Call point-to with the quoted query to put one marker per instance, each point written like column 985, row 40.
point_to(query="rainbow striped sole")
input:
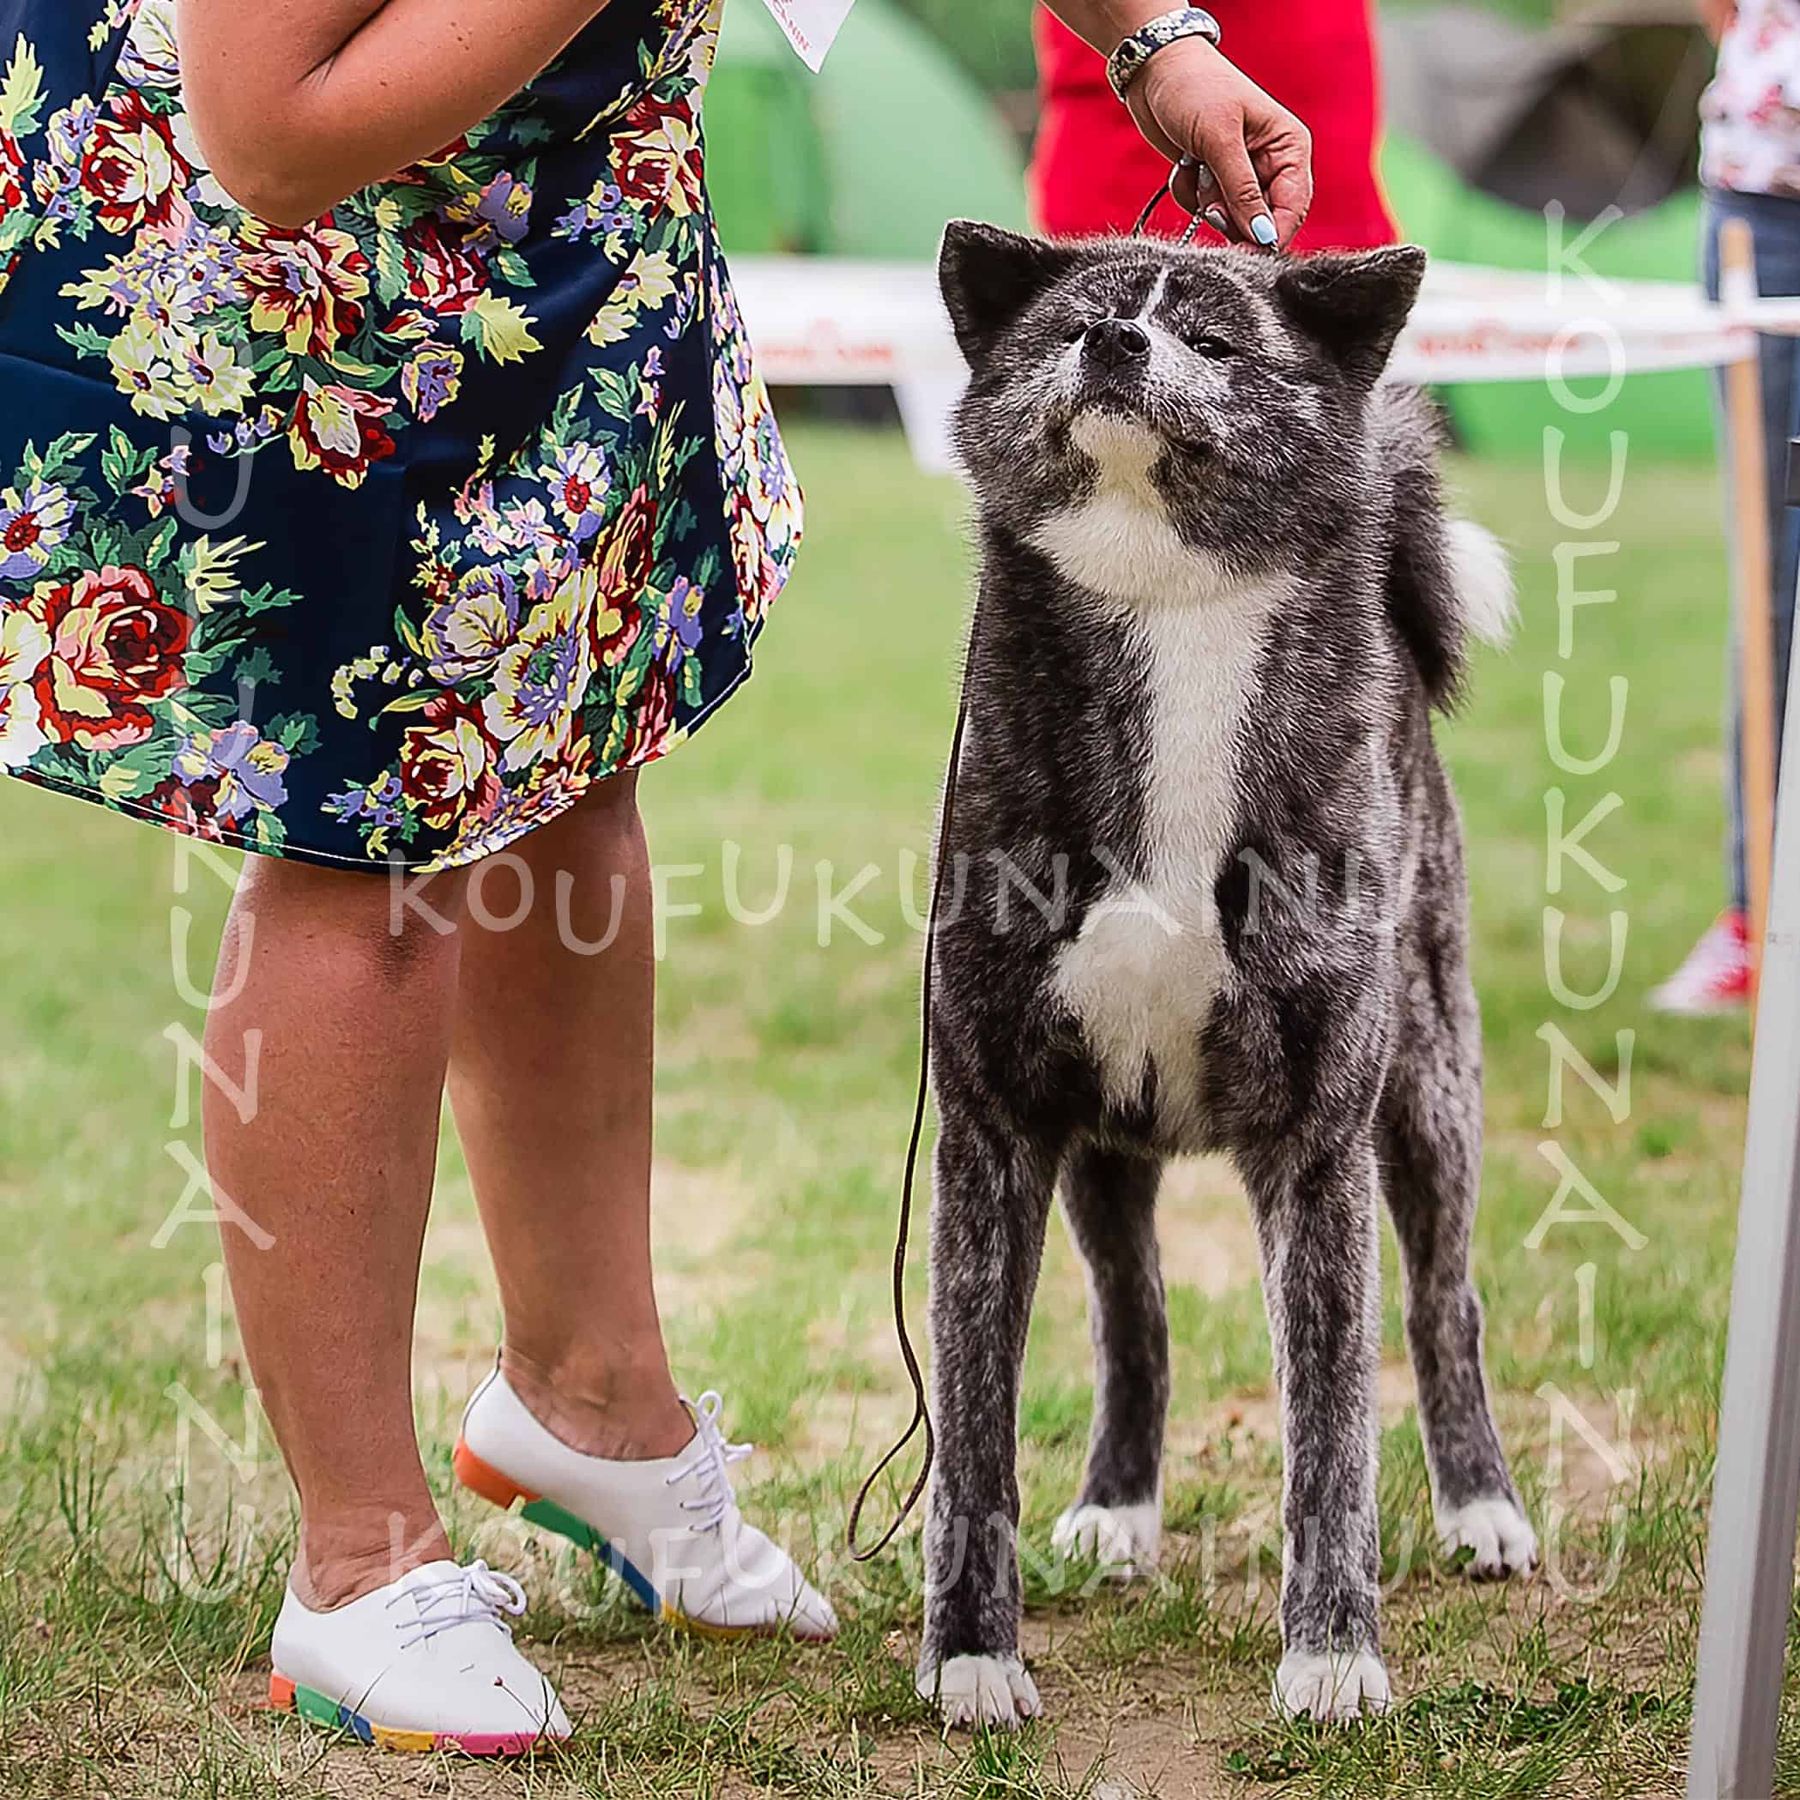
column 502, row 1491
column 316, row 1709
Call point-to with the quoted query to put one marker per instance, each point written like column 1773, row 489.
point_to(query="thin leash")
column 1167, row 192
column 921, row 1419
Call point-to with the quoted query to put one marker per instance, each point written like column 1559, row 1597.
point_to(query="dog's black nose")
column 1117, row 343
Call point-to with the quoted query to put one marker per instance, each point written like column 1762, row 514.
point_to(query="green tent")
column 1666, row 413
column 1490, row 120
column 867, row 159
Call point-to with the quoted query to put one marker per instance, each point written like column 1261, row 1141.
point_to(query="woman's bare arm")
column 1193, row 101
column 298, row 103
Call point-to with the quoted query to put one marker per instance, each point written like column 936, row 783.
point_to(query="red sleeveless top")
column 1093, row 172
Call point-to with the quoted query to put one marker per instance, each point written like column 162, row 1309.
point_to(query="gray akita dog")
column 1205, row 893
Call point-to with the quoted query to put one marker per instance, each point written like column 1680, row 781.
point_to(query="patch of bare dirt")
column 1203, row 1222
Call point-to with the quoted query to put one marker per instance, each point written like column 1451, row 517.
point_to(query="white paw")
column 981, row 1690
column 1496, row 1531
column 1330, row 1689
column 1123, row 1540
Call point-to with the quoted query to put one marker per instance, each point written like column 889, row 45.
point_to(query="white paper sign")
column 811, row 26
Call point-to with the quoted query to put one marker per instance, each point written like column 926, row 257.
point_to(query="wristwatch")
column 1127, row 62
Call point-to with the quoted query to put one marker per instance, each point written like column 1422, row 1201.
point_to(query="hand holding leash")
column 1232, row 142
column 1247, row 157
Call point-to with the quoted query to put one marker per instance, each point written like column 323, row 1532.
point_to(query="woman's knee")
column 390, row 927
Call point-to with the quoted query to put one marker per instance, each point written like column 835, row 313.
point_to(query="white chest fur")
column 1143, row 972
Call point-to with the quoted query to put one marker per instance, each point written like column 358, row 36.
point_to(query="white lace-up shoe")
column 670, row 1530
column 425, row 1663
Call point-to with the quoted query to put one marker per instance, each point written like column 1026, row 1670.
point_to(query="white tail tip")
column 1482, row 574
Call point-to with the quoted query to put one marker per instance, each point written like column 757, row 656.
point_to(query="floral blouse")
column 1750, row 115
column 379, row 541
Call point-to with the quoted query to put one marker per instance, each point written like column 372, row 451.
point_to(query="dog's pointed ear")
column 990, row 276
column 1354, row 305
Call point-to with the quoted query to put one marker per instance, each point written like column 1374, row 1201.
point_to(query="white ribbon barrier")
column 819, row 322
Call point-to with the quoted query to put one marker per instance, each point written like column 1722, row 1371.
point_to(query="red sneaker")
column 1716, row 976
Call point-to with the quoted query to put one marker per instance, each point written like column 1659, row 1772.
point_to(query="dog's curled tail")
column 1451, row 579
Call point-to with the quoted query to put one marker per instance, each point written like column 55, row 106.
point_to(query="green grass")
column 135, row 1600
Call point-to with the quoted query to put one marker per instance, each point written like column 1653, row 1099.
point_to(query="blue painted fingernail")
column 1262, row 228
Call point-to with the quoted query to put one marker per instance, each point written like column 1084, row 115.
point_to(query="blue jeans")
column 1775, row 225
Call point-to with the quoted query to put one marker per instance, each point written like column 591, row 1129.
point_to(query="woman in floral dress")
column 378, row 524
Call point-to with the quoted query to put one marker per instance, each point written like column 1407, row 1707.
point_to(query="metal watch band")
column 1127, row 62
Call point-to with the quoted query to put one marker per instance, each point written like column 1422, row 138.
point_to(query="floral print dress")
column 382, row 540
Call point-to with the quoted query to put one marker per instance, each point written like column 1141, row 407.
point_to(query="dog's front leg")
column 987, row 1238
column 1316, row 1210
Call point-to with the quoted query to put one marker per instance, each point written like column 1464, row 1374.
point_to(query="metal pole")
column 1756, row 1488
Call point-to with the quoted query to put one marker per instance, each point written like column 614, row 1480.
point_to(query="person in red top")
column 1093, row 171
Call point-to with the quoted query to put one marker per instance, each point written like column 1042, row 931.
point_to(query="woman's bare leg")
column 551, row 1076
column 336, row 1164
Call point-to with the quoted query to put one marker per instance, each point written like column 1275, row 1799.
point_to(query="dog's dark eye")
column 1203, row 343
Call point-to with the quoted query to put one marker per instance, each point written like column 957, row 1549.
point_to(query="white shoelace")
column 475, row 1595
column 709, row 1461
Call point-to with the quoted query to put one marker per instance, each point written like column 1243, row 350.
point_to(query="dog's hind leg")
column 1430, row 1141
column 1110, row 1200
column 988, row 1217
